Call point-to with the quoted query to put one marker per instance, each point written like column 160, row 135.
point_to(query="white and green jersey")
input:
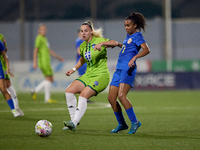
column 42, row 44
column 96, row 60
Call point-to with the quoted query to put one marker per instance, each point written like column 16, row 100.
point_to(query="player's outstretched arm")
column 144, row 52
column 35, row 58
column 76, row 67
column 111, row 43
column 52, row 53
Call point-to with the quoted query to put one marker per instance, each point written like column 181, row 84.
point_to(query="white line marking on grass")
column 96, row 106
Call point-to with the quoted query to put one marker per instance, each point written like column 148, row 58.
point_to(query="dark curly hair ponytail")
column 138, row 19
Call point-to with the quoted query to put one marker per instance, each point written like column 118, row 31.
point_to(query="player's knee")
column 8, row 84
column 111, row 99
column 83, row 95
column 121, row 96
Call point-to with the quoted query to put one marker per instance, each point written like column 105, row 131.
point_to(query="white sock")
column 47, row 90
column 80, row 111
column 40, row 86
column 13, row 94
column 71, row 103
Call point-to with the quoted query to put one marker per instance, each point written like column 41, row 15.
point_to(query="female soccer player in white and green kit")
column 96, row 77
column 42, row 59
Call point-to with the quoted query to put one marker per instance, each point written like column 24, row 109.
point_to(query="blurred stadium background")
column 172, row 35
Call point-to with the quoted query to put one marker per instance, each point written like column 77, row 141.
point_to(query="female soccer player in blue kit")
column 3, row 87
column 126, row 70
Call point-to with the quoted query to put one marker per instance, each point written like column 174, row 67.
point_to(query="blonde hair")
column 96, row 32
column 41, row 25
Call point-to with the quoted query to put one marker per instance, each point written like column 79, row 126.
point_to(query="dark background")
column 105, row 9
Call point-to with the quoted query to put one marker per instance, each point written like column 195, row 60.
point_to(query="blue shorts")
column 2, row 76
column 124, row 76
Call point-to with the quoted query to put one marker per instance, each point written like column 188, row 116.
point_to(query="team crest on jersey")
column 129, row 41
column 96, row 83
column 93, row 45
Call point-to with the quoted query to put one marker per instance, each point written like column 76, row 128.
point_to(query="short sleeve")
column 139, row 39
column 37, row 42
column 81, row 49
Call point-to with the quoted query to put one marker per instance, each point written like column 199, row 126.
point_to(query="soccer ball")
column 43, row 128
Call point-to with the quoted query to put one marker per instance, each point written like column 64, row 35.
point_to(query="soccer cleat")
column 15, row 113
column 65, row 128
column 70, row 125
column 20, row 112
column 119, row 128
column 51, row 101
column 33, row 94
column 134, row 127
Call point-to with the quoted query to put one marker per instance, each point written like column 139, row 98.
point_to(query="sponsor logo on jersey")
column 129, row 41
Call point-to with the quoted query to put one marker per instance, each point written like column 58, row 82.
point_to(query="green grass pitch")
column 170, row 120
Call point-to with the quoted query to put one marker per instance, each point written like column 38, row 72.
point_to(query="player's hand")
column 35, row 66
column 120, row 45
column 69, row 72
column 98, row 47
column 131, row 62
column 62, row 59
column 8, row 71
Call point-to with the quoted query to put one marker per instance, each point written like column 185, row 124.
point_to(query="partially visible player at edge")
column 78, row 42
column 96, row 77
column 3, row 87
column 41, row 58
column 126, row 70
column 9, row 86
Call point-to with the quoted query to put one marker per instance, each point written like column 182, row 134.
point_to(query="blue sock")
column 120, row 117
column 131, row 115
column 11, row 104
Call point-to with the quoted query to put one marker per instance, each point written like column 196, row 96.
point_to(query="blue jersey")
column 2, row 48
column 131, row 47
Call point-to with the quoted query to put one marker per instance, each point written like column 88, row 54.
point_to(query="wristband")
column 117, row 43
column 74, row 69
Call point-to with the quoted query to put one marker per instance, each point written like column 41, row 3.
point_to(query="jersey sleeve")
column 139, row 39
column 81, row 49
column 1, row 37
column 37, row 42
column 106, row 39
